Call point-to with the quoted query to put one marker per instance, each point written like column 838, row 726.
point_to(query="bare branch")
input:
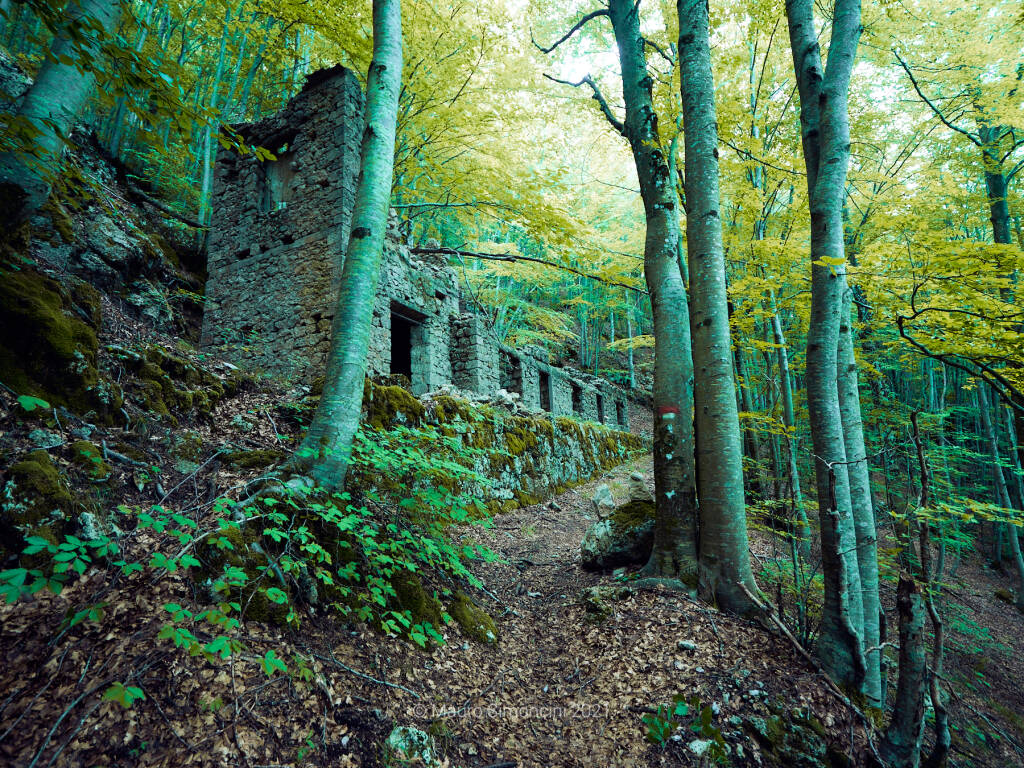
column 575, row 28
column 935, row 109
column 598, row 97
column 516, row 257
column 670, row 59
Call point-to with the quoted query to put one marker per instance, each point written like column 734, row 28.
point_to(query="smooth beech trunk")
column 327, row 446
column 50, row 107
column 861, row 503
column 825, row 137
column 675, row 532
column 724, row 555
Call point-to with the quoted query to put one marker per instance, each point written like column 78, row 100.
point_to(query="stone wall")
column 278, row 230
column 526, row 457
column 276, row 249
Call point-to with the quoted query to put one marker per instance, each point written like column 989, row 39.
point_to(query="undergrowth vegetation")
column 383, row 556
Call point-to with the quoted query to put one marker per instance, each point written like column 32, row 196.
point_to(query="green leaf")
column 271, row 664
column 123, row 695
column 29, row 403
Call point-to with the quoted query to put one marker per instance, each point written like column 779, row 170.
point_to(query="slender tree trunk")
column 861, row 502
column 803, row 526
column 206, row 157
column 50, row 107
column 327, row 446
column 724, row 553
column 989, row 424
column 629, row 335
column 825, row 137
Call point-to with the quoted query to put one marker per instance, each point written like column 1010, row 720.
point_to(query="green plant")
column 688, row 714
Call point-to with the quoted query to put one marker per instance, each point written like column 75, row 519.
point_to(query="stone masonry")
column 276, row 248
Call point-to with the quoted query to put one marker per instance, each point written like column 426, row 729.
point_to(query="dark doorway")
column 577, row 400
column 402, row 330
column 620, row 413
column 545, row 390
column 511, row 373
column 600, row 408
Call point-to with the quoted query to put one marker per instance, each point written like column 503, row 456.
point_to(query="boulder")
column 625, row 538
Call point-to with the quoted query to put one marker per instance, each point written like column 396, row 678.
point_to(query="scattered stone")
column 43, row 438
column 686, row 645
column 638, row 490
column 700, row 746
column 410, row 745
column 604, row 503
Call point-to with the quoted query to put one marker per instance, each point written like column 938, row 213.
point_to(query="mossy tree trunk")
column 327, row 447
column 901, row 747
column 724, row 556
column 48, row 111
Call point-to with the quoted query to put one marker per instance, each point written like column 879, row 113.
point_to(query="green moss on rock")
column 474, row 622
column 411, row 596
column 35, row 501
column 88, row 456
column 386, row 406
column 250, row 459
column 46, row 348
column 633, row 514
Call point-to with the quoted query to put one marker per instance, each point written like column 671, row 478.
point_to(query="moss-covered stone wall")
column 526, row 456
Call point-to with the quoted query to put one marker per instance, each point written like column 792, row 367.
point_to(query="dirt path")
column 560, row 690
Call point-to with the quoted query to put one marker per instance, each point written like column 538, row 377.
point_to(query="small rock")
column 678, row 665
column 43, row 438
column 638, row 490
column 700, row 746
column 411, row 745
column 604, row 503
column 686, row 645
column 554, row 505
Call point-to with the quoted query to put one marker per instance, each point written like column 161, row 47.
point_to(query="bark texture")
column 901, row 747
column 724, row 555
column 50, row 107
column 825, row 136
column 328, row 444
column 675, row 534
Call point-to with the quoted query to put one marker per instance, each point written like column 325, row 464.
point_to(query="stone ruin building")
column 277, row 241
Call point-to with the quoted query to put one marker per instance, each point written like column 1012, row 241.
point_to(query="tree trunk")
column 327, row 446
column 989, row 424
column 861, row 503
column 825, row 137
column 901, row 747
column 803, row 527
column 724, row 554
column 50, row 107
column 675, row 528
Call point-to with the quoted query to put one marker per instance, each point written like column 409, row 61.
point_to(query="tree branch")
column 598, row 97
column 515, row 257
column 935, row 109
column 575, row 28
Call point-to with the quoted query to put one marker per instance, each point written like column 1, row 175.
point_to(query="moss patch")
column 35, row 501
column 473, row 621
column 633, row 514
column 411, row 596
column 88, row 456
column 258, row 457
column 386, row 406
column 47, row 348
